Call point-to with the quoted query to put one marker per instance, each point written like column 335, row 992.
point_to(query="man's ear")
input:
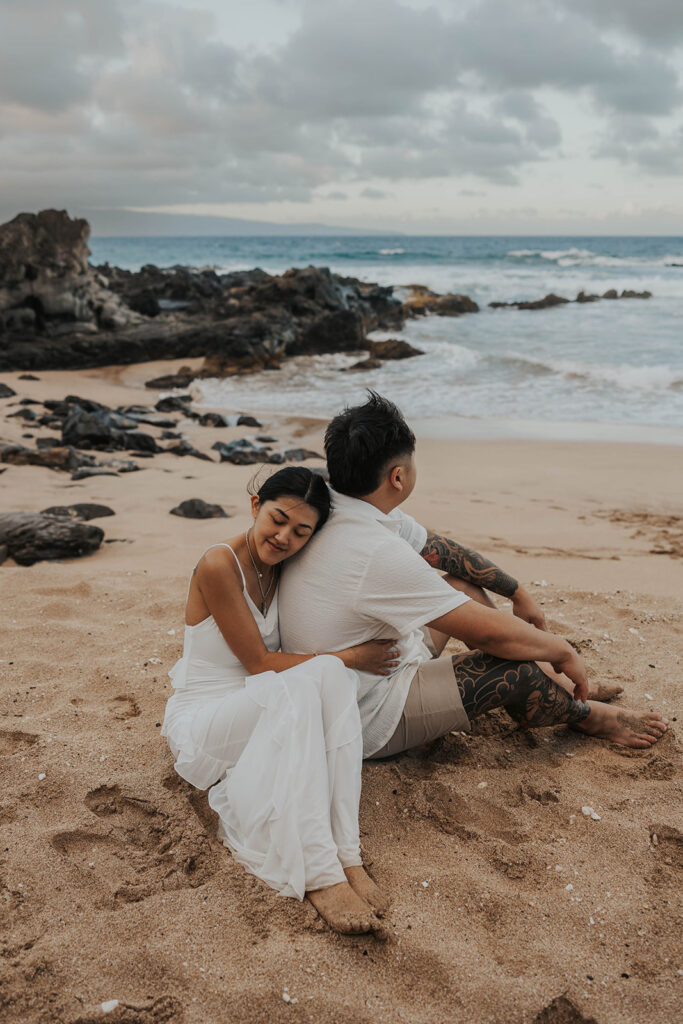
column 396, row 474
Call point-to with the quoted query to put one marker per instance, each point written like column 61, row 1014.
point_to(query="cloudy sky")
column 426, row 116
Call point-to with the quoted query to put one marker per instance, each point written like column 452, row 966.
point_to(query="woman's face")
column 281, row 527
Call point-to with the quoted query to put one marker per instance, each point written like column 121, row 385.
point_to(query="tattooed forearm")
column 468, row 565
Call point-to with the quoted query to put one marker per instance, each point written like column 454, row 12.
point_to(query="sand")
column 510, row 904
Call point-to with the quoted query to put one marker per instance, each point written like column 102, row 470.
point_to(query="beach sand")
column 509, row 904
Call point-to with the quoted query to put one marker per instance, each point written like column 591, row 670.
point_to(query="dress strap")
column 223, row 545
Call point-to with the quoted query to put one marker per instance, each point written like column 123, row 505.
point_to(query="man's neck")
column 382, row 500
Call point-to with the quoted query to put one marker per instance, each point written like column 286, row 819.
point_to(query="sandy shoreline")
column 114, row 886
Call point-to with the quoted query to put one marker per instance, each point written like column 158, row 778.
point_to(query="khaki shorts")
column 432, row 709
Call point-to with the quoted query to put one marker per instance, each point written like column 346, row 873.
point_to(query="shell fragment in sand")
column 42, row 776
column 588, row 812
column 109, row 1005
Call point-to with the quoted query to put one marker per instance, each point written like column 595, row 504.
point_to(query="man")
column 371, row 573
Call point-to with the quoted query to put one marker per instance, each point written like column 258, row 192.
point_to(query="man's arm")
column 466, row 564
column 505, row 637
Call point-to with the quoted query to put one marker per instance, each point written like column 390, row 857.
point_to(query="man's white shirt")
column 362, row 578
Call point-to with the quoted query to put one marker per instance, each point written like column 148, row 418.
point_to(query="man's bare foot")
column 628, row 728
column 596, row 691
column 344, row 910
column 604, row 691
column 362, row 884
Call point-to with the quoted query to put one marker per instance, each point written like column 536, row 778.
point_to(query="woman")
column 279, row 734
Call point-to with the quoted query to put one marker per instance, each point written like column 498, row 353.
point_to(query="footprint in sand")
column 140, row 853
column 13, row 740
column 158, row 1011
column 124, row 706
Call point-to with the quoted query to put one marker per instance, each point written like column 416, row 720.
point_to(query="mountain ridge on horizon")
column 130, row 224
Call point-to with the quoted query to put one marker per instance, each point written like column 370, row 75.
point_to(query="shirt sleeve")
column 410, row 530
column 401, row 590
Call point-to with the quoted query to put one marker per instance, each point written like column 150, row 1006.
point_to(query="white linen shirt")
column 362, row 578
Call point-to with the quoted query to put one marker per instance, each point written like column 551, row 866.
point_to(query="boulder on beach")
column 6, row 391
column 82, row 510
column 196, row 508
column 35, row 537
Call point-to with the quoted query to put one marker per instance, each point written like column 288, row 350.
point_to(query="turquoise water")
column 605, row 362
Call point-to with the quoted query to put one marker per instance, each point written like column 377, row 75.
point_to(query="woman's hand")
column 379, row 657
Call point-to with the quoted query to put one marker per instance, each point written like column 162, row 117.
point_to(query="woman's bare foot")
column 344, row 910
column 363, row 885
column 628, row 728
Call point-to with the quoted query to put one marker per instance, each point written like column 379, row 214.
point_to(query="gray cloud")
column 138, row 103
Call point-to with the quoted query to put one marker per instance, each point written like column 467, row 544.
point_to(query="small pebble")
column 587, row 811
column 648, row 696
column 425, row 884
column 482, row 785
column 41, row 776
column 171, row 632
column 595, row 817
column 569, row 888
column 110, row 1005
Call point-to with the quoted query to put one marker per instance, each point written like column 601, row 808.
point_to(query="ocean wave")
column 390, row 252
column 628, row 378
column 551, row 254
column 575, row 257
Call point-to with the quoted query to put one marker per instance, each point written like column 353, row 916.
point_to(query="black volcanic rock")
column 545, row 303
column 81, row 510
column 196, row 508
column 33, row 537
column 6, row 391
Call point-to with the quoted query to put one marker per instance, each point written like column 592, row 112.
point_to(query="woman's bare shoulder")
column 217, row 560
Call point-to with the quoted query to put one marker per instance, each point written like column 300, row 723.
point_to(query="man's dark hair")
column 361, row 443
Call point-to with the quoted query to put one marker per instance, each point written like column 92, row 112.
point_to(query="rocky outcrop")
column 548, row 301
column 46, row 284
column 30, row 537
column 421, row 301
column 83, row 510
column 545, row 303
column 58, row 312
column 393, row 348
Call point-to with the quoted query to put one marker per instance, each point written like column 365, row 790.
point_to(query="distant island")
column 129, row 223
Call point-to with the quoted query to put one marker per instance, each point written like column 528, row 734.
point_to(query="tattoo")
column 521, row 687
column 468, row 565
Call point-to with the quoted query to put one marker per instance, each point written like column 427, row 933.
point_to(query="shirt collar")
column 363, row 511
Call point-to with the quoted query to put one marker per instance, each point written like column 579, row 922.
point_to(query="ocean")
column 603, row 370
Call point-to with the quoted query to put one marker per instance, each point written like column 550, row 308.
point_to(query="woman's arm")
column 220, row 584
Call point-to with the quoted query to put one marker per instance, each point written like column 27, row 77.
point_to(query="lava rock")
column 81, row 510
column 195, row 508
column 300, row 454
column 583, row 297
column 185, row 448
column 365, row 364
column 6, row 391
column 393, row 348
column 104, row 430
column 212, row 419
column 174, row 403
column 33, row 537
column 23, row 414
column 247, row 421
column 242, row 452
column 182, row 379
column 546, row 302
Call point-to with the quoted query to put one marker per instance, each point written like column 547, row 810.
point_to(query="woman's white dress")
column 283, row 749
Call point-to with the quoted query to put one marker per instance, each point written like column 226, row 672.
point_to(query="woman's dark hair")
column 296, row 482
column 362, row 442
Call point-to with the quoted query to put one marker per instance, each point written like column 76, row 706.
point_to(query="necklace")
column 259, row 577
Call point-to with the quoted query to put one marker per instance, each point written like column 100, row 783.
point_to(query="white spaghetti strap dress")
column 282, row 749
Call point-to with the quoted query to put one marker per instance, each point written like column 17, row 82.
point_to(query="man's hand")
column 524, row 607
